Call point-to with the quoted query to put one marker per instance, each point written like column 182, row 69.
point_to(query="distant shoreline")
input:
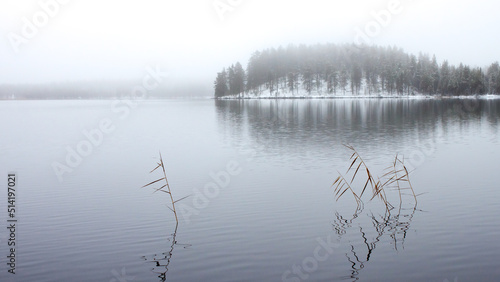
column 415, row 97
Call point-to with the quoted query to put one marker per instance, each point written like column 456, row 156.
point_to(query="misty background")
column 103, row 46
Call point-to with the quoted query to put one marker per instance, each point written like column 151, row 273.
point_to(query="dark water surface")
column 259, row 174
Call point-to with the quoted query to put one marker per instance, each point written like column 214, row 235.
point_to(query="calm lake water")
column 259, row 174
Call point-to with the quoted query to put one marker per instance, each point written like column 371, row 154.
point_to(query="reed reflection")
column 161, row 261
column 371, row 229
column 394, row 185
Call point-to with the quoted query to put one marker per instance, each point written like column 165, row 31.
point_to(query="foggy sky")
column 192, row 40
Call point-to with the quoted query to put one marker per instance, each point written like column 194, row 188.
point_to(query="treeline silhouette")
column 360, row 69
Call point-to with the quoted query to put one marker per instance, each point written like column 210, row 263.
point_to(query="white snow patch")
column 321, row 93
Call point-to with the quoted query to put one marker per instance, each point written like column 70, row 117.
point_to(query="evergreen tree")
column 425, row 74
column 493, row 78
column 465, row 79
column 332, row 79
column 434, row 73
column 445, row 77
column 220, row 84
column 307, row 80
column 356, row 76
column 293, row 81
column 230, row 80
column 237, row 82
column 477, row 82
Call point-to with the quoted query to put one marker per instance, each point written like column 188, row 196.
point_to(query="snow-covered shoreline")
column 322, row 93
column 249, row 97
column 414, row 97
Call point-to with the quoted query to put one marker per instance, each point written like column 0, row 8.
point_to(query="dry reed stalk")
column 341, row 183
column 161, row 165
column 398, row 173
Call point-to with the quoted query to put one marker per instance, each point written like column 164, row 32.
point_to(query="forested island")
column 330, row 70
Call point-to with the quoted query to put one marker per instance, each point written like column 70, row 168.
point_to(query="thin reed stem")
column 161, row 165
column 169, row 191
